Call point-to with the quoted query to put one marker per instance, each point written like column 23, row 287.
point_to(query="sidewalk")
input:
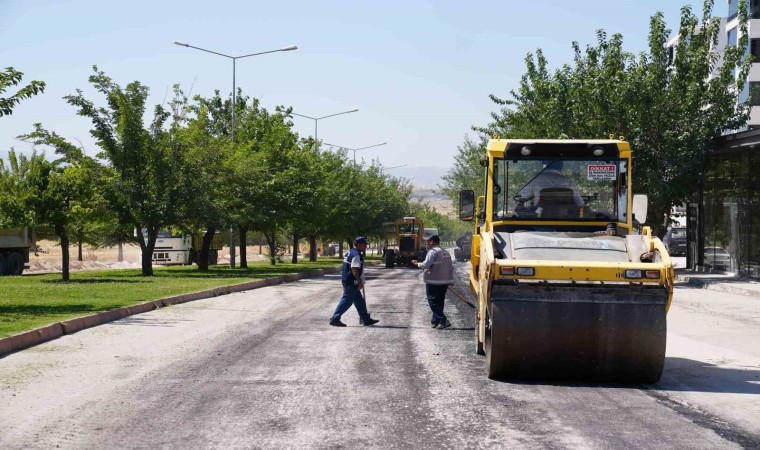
column 719, row 282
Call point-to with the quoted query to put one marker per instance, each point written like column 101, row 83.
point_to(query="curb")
column 21, row 341
column 719, row 285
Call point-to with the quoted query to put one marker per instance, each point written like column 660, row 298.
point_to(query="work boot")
column 368, row 322
column 337, row 323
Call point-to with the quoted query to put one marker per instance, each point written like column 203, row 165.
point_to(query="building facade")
column 752, row 87
column 723, row 221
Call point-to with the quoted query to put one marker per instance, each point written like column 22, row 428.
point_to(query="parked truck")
column 566, row 289
column 173, row 247
column 463, row 250
column 15, row 244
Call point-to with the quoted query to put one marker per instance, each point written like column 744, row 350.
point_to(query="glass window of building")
column 754, row 92
column 731, row 38
column 755, row 49
column 733, row 9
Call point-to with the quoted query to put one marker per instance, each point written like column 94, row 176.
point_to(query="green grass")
column 32, row 301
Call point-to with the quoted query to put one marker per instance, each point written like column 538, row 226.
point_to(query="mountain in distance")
column 426, row 183
column 421, row 177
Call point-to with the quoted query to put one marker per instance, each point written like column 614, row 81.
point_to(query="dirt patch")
column 48, row 260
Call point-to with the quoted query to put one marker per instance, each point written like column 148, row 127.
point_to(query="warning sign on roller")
column 602, row 172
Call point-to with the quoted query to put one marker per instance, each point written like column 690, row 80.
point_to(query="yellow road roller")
column 569, row 285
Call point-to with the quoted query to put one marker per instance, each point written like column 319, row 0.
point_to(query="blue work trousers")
column 436, row 296
column 351, row 296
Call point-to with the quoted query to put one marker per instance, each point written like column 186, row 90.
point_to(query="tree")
column 11, row 77
column 672, row 112
column 268, row 173
column 467, row 172
column 142, row 185
column 54, row 193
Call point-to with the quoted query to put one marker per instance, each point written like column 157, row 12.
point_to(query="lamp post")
column 234, row 101
column 317, row 119
column 382, row 169
column 356, row 149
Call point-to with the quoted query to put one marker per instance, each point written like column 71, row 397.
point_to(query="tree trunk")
column 120, row 253
column 60, row 231
column 80, row 237
column 700, row 256
column 294, row 259
column 243, row 236
column 272, row 243
column 660, row 214
column 147, row 244
column 203, row 253
column 312, row 248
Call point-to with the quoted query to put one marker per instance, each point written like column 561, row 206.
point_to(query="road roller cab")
column 567, row 286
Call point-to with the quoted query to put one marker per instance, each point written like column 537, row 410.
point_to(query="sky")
column 419, row 72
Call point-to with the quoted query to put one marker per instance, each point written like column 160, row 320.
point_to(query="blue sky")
column 419, row 72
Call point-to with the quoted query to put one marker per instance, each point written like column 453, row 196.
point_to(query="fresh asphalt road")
column 262, row 369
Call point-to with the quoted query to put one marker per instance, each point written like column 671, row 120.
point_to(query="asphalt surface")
column 263, row 369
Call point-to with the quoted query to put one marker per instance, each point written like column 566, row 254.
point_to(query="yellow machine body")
column 568, row 285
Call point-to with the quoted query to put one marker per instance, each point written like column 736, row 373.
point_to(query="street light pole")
column 234, row 102
column 382, row 169
column 317, row 119
column 356, row 149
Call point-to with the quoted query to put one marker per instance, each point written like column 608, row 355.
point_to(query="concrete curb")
column 21, row 341
column 719, row 285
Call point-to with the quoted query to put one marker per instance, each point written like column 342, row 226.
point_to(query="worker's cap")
column 434, row 238
column 360, row 240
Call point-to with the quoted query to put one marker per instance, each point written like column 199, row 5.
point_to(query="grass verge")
column 33, row 301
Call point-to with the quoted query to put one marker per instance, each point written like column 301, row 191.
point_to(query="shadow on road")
column 680, row 374
column 148, row 322
column 688, row 375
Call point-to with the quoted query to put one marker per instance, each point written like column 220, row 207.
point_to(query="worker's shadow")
column 689, row 375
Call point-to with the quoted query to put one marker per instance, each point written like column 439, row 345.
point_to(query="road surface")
column 262, row 369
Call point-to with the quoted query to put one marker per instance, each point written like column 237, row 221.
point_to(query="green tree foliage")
column 467, row 173
column 38, row 192
column 141, row 185
column 11, row 77
column 204, row 184
column 183, row 171
column 361, row 200
column 269, row 174
column 672, row 111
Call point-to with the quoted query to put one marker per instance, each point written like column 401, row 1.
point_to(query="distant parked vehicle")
column 14, row 250
column 717, row 258
column 174, row 247
column 675, row 241
column 464, row 247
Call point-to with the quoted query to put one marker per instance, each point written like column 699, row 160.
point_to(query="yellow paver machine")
column 568, row 286
column 404, row 242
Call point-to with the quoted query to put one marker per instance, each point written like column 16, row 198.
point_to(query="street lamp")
column 234, row 101
column 392, row 167
column 317, row 119
column 356, row 149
